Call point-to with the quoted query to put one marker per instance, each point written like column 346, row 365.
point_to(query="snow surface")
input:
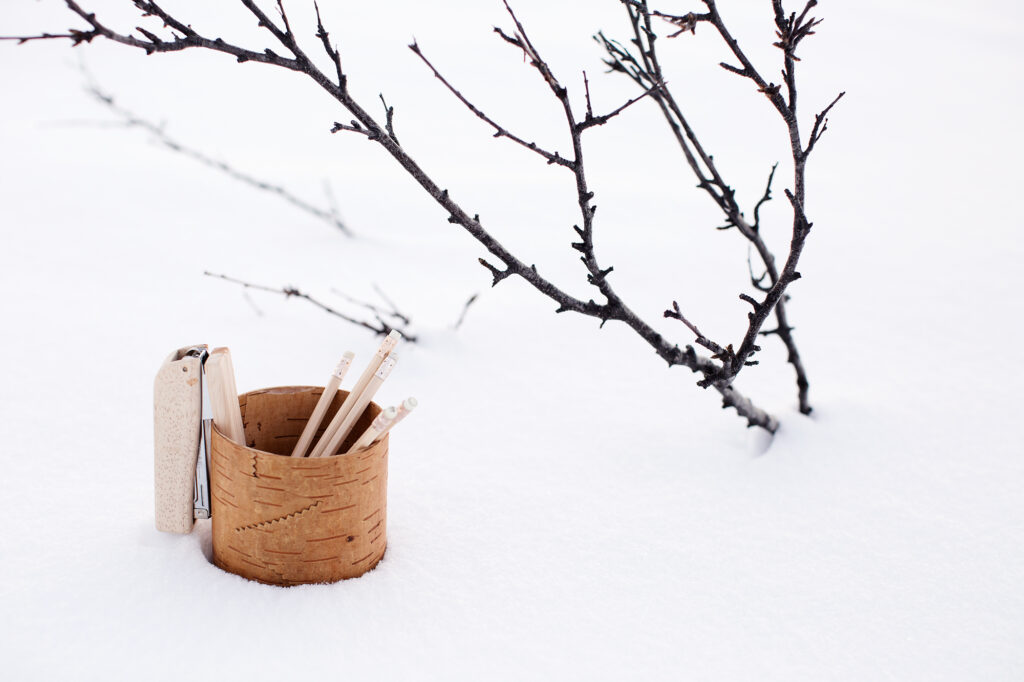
column 561, row 506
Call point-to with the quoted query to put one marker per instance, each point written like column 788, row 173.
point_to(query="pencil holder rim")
column 373, row 408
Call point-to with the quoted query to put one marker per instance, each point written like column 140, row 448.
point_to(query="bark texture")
column 288, row 521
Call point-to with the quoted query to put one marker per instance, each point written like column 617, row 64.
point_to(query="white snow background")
column 562, row 505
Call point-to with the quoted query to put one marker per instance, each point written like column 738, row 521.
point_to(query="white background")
column 562, row 506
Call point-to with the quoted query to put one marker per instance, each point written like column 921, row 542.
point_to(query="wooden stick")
column 374, row 430
column 407, row 406
column 220, row 376
column 323, row 404
column 357, row 410
column 385, row 349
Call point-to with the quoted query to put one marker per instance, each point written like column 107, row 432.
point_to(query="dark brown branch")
column 523, row 41
column 590, row 121
column 331, row 51
column 614, row 308
column 189, row 39
column 586, row 89
column 381, row 328
column 646, row 69
column 75, row 36
column 353, row 127
column 684, row 23
column 389, row 113
column 733, row 69
column 765, row 198
column 677, row 314
column 496, row 273
column 499, row 130
column 790, row 32
column 820, row 125
column 771, row 90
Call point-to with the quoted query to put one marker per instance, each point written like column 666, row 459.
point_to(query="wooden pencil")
column 385, row 349
column 322, row 405
column 374, row 430
column 362, row 401
column 407, row 406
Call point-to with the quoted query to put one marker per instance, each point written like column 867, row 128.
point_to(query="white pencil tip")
column 409, row 403
column 395, row 335
column 349, row 355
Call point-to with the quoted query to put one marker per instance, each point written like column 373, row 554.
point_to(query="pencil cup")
column 292, row 520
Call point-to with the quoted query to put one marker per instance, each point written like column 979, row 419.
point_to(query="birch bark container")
column 292, row 520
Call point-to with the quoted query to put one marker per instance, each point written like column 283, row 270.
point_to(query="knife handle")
column 177, row 415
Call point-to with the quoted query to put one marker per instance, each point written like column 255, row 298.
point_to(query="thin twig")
column 677, row 314
column 499, row 130
column 394, row 308
column 377, row 311
column 131, row 120
column 389, row 112
column 21, row 40
column 465, row 309
column 820, row 125
column 381, row 328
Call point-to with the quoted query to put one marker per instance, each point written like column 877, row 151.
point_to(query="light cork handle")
column 176, row 423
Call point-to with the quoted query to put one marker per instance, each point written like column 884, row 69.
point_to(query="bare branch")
column 75, row 36
column 332, row 52
column 395, row 312
column 586, row 89
column 381, row 328
column 523, row 41
column 590, row 121
column 684, row 23
column 613, row 309
column 378, row 312
column 353, row 127
column 597, row 276
column 645, row 68
column 190, row 39
column 748, row 70
column 754, row 415
column 756, row 281
column 499, row 130
column 389, row 112
column 465, row 309
column 820, row 125
column 677, row 314
column 765, row 198
column 751, row 300
column 734, row 69
column 131, row 120
column 497, row 273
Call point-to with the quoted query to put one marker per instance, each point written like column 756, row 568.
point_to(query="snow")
column 561, row 505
